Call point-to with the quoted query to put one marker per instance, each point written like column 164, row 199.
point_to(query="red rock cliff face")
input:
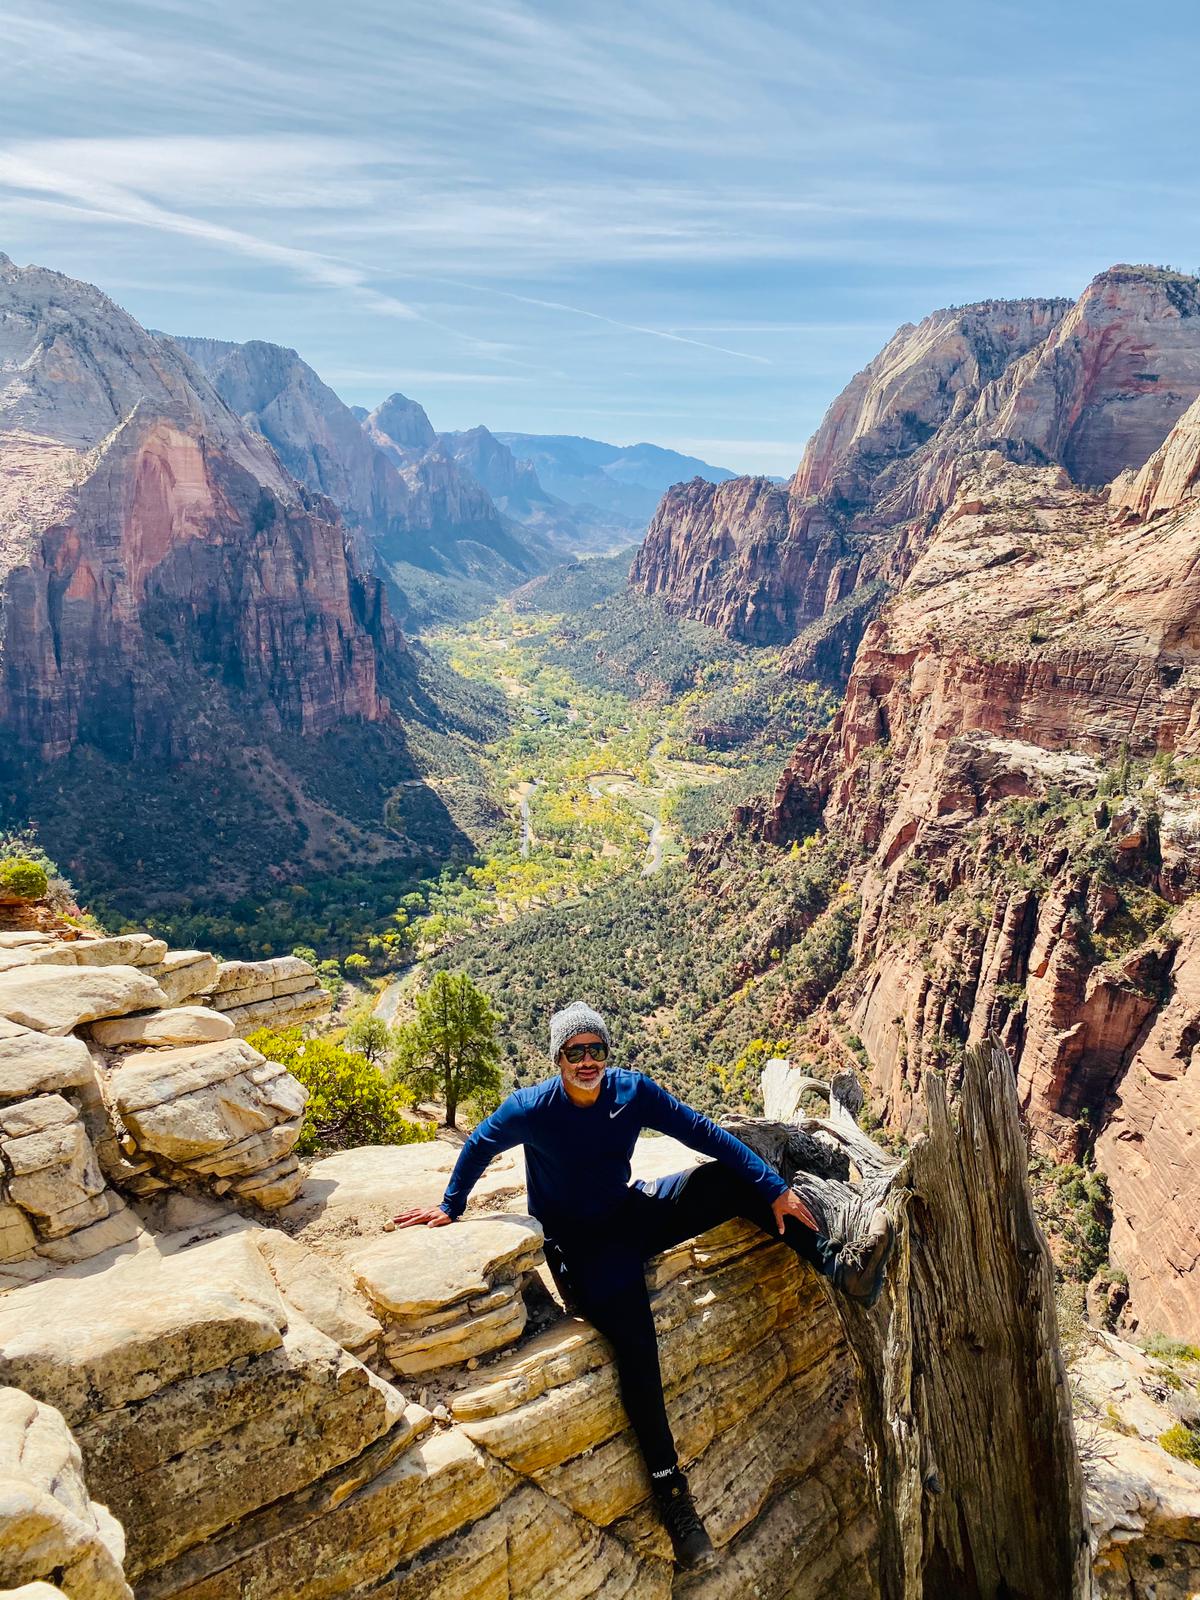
column 745, row 557
column 1093, row 388
column 1015, row 765
column 158, row 567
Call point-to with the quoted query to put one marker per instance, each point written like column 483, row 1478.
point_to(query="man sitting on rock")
column 579, row 1129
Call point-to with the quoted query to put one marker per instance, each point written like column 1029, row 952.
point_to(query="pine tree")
column 450, row 1048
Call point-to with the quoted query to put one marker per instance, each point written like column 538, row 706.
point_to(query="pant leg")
column 687, row 1203
column 608, row 1285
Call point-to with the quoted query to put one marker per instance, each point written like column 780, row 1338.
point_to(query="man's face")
column 585, row 1074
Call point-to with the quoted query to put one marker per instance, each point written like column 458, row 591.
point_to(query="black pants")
column 599, row 1271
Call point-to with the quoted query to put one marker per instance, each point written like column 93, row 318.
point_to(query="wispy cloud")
column 721, row 210
column 596, row 316
column 45, row 170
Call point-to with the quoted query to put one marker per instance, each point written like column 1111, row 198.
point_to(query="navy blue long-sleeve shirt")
column 577, row 1158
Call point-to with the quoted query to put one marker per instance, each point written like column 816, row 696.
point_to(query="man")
column 579, row 1129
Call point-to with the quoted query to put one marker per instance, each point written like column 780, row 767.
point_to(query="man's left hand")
column 789, row 1204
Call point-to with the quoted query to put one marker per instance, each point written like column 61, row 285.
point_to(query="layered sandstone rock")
column 49, row 1528
column 400, row 428
column 247, row 1450
column 745, row 557
column 1148, row 1148
column 445, row 1310
column 925, row 376
column 107, row 1089
column 267, row 994
column 219, row 1113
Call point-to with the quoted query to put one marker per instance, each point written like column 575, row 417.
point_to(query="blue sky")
column 682, row 222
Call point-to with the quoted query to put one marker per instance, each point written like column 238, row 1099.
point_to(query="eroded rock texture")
column 1092, row 388
column 1012, row 772
column 114, row 1088
column 247, row 1450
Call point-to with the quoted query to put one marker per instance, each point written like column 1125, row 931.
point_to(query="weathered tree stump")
column 964, row 1397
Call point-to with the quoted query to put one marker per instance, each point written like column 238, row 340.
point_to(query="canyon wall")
column 396, row 486
column 1015, row 769
column 159, row 567
column 1093, row 388
column 188, row 633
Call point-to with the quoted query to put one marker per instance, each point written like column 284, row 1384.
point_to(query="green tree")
column 450, row 1047
column 356, row 965
column 369, row 1036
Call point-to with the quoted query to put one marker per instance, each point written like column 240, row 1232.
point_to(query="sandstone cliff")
column 169, row 560
column 177, row 613
column 392, row 482
column 227, row 1381
column 1094, row 388
column 1014, row 767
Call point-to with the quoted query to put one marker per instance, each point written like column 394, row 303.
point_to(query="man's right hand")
column 429, row 1216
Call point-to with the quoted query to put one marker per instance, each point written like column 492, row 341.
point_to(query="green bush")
column 22, row 879
column 1165, row 1349
column 350, row 1102
column 1182, row 1442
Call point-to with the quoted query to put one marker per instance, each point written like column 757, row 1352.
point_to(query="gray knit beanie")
column 572, row 1019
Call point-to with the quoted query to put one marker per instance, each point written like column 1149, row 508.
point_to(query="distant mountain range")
column 448, row 519
column 627, row 481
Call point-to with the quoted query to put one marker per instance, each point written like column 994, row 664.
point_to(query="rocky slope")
column 1093, row 388
column 176, row 611
column 225, row 1379
column 392, row 482
column 1014, row 778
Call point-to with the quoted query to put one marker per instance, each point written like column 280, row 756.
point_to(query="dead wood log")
column 964, row 1399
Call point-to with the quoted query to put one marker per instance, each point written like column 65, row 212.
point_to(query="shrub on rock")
column 22, row 879
column 350, row 1102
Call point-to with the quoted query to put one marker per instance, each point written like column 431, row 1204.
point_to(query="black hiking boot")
column 861, row 1262
column 692, row 1546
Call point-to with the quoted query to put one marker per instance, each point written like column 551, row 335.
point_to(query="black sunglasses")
column 576, row 1052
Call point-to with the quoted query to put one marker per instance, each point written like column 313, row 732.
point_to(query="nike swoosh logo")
column 615, row 1113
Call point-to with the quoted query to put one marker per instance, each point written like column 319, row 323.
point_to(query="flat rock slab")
column 40, row 1063
column 111, row 1338
column 128, row 949
column 252, row 974
column 51, row 955
column 349, row 1196
column 308, row 1282
column 179, row 1025
column 183, row 974
column 415, row 1271
column 56, row 1000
